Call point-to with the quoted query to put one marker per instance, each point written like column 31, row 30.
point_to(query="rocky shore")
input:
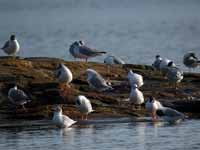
column 36, row 77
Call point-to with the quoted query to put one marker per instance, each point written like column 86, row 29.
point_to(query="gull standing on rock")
column 18, row 97
column 63, row 74
column 157, row 62
column 79, row 50
column 164, row 65
column 174, row 74
column 83, row 105
column 135, row 78
column 111, row 60
column 136, row 96
column 191, row 61
column 96, row 81
column 61, row 120
column 11, row 47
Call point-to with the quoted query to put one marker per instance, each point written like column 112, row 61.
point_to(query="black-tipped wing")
column 89, row 52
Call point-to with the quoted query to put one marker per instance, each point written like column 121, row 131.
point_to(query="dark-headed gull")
column 174, row 75
column 79, row 50
column 157, row 62
column 190, row 60
column 11, row 47
column 152, row 105
column 83, row 104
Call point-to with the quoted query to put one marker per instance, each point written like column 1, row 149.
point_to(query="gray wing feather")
column 6, row 45
column 172, row 112
column 88, row 51
column 18, row 95
column 98, row 82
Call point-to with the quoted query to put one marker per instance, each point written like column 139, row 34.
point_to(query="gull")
column 190, row 60
column 152, row 105
column 135, row 78
column 170, row 115
column 157, row 62
column 136, row 96
column 63, row 74
column 79, row 50
column 111, row 60
column 174, row 74
column 60, row 120
column 83, row 105
column 96, row 81
column 164, row 65
column 11, row 47
column 18, row 97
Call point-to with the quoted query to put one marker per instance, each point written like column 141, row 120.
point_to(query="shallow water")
column 102, row 136
column 135, row 30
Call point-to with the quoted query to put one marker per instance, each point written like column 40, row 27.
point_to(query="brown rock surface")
column 36, row 77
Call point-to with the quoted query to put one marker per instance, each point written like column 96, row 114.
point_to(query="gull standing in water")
column 96, row 81
column 168, row 114
column 63, row 74
column 135, row 78
column 136, row 96
column 61, row 120
column 191, row 61
column 79, row 50
column 11, row 47
column 174, row 74
column 152, row 105
column 84, row 105
column 18, row 97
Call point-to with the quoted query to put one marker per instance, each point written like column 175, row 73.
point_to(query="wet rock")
column 36, row 77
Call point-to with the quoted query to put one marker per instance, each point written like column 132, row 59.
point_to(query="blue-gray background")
column 135, row 30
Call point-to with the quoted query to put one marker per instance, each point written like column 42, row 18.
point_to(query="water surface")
column 103, row 136
column 135, row 30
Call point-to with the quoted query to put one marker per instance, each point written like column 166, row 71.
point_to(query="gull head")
column 171, row 64
column 12, row 37
column 81, row 43
column 151, row 99
column 157, row 56
column 57, row 109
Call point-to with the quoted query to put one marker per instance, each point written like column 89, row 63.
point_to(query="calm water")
column 135, row 30
column 103, row 136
